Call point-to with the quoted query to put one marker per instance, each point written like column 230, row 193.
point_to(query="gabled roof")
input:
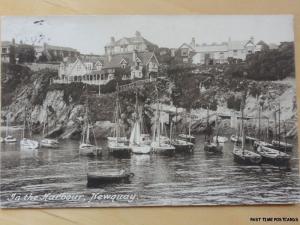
column 116, row 59
column 187, row 46
column 130, row 40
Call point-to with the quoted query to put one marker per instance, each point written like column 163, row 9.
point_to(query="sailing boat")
column 159, row 143
column 219, row 139
column 187, row 137
column 48, row 142
column 181, row 145
column 118, row 144
column 269, row 153
column 209, row 145
column 8, row 138
column 137, row 142
column 235, row 138
column 241, row 155
column 25, row 142
column 85, row 147
column 277, row 144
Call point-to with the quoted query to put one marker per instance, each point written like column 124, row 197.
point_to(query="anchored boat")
column 118, row 143
column 240, row 154
column 95, row 179
column 181, row 145
column 8, row 137
column 48, row 142
column 210, row 146
column 139, row 142
column 85, row 147
column 160, row 143
column 270, row 155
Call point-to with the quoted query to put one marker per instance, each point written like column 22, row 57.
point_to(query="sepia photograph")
column 148, row 110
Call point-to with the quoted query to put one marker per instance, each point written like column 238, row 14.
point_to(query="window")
column 185, row 60
column 4, row 50
column 184, row 52
column 235, row 52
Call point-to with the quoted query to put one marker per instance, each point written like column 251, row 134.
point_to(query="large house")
column 55, row 53
column 126, row 59
column 50, row 52
column 6, row 49
column 129, row 66
column 129, row 44
column 216, row 53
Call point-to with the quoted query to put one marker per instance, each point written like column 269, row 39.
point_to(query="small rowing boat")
column 95, row 179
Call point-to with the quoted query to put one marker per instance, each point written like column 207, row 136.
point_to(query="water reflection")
column 183, row 179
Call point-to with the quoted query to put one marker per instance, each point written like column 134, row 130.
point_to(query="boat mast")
column 242, row 127
column 23, row 133
column 279, row 123
column 259, row 122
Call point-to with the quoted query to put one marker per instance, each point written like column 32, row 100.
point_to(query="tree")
column 25, row 53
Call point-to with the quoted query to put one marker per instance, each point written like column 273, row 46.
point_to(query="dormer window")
column 123, row 65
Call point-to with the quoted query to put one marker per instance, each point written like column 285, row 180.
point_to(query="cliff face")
column 66, row 104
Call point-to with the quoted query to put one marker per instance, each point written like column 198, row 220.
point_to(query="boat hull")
column 246, row 157
column 221, row 140
column 141, row 149
column 10, row 139
column 88, row 149
column 49, row 143
column 183, row 146
column 94, row 180
column 162, row 148
column 273, row 156
column 29, row 144
column 281, row 146
column 213, row 148
column 186, row 137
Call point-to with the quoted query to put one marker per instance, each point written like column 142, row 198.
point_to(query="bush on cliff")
column 269, row 64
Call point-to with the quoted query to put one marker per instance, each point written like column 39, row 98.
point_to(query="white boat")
column 8, row 137
column 235, row 138
column 85, row 147
column 119, row 139
column 138, row 142
column 48, row 142
column 89, row 149
column 26, row 142
column 220, row 139
column 187, row 137
column 29, row 144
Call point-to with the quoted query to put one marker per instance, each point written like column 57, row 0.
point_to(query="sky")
column 89, row 34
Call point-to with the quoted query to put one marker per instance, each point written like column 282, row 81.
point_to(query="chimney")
column 252, row 39
column 193, row 43
column 138, row 34
column 21, row 42
column 134, row 56
column 13, row 42
column 109, row 57
column 112, row 39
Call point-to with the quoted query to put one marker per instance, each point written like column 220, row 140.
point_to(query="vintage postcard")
column 119, row 111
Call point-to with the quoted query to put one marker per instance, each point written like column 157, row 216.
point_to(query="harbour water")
column 182, row 179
